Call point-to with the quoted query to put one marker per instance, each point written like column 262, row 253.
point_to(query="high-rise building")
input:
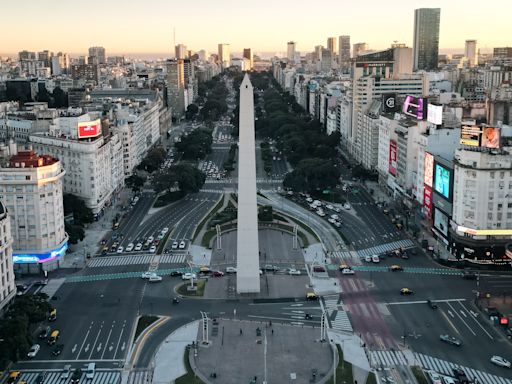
column 248, row 55
column 224, row 55
column 426, row 38
column 502, row 52
column 471, row 52
column 331, row 45
column 26, row 55
column 290, row 51
column 7, row 287
column 97, row 55
column 31, row 188
column 318, row 52
column 180, row 51
column 344, row 48
column 89, row 72
column 359, row 48
column 176, row 87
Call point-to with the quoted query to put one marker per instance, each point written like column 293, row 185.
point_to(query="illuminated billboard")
column 415, row 107
column 392, row 157
column 490, row 137
column 34, row 258
column 427, row 200
column 429, row 169
column 484, row 232
column 442, row 181
column 470, row 135
column 389, row 102
column 89, row 129
column 435, row 114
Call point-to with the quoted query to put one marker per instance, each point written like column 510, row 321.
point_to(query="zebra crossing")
column 382, row 248
column 235, row 180
column 53, row 377
column 341, row 321
column 139, row 376
column 391, row 358
column 445, row 367
column 344, row 254
column 135, row 260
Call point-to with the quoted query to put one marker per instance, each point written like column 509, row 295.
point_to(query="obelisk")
column 247, row 258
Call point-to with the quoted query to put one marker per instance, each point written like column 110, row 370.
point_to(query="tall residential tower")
column 426, row 38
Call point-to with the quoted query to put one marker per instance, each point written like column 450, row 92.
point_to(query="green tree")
column 183, row 177
column 191, row 112
column 76, row 206
column 60, row 98
column 76, row 233
column 135, row 182
column 153, row 160
column 196, row 145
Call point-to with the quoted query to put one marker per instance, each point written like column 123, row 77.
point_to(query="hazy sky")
column 146, row 26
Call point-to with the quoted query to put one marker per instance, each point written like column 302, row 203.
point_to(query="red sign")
column 89, row 129
column 427, row 200
column 392, row 157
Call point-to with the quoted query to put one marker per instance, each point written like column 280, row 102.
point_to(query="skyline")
column 202, row 27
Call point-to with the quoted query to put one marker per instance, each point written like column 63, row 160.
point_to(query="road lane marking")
column 108, row 338
column 85, row 339
column 450, row 322
column 451, row 314
column 476, row 321
column 424, row 301
column 96, row 340
column 119, row 340
column 466, row 324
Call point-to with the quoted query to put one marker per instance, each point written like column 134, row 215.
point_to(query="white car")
column 150, row 239
column 165, row 230
column 368, row 258
column 347, row 271
column 188, row 276
column 347, row 206
column 160, row 236
column 320, row 213
column 230, row 270
column 154, row 278
column 33, row 350
column 138, row 247
column 294, row 272
column 309, row 199
column 147, row 275
column 435, row 378
column 375, row 259
column 331, row 220
column 152, row 249
column 120, row 249
column 500, row 361
column 174, row 245
column 329, row 206
column 337, row 224
column 335, row 217
column 130, row 247
column 182, row 245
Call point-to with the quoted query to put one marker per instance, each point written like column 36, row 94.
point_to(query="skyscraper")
column 290, row 51
column 426, row 38
column 180, row 51
column 331, row 45
column 359, row 48
column 248, row 55
column 471, row 52
column 224, row 55
column 176, row 87
column 344, row 48
column 97, row 55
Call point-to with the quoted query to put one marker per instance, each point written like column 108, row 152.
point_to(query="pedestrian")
column 241, row 333
column 270, row 323
column 272, row 331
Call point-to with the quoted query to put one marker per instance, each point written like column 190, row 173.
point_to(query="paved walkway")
column 169, row 359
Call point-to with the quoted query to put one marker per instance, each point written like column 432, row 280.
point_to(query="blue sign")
column 34, row 258
column 442, row 181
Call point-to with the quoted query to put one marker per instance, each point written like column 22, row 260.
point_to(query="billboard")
column 429, row 169
column 415, row 107
column 490, row 137
column 442, row 180
column 470, row 135
column 435, row 114
column 34, row 258
column 89, row 129
column 389, row 102
column 441, row 221
column 427, row 200
column 392, row 157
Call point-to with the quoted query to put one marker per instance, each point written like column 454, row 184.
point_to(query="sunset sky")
column 134, row 26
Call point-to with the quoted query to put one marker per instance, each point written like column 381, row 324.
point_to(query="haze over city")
column 132, row 27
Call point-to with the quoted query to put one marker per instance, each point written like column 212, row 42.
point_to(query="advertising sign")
column 389, row 101
column 470, row 135
column 34, row 258
column 392, row 157
column 435, row 114
column 441, row 221
column 415, row 107
column 429, row 169
column 490, row 137
column 89, row 129
column 442, row 181
column 427, row 200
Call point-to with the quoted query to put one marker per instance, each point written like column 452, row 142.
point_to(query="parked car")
column 130, row 247
column 450, row 340
column 45, row 333
column 375, row 259
column 120, row 249
column 293, row 272
column 138, row 247
column 152, row 249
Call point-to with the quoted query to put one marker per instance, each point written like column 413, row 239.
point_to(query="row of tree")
column 25, row 312
column 153, row 160
column 82, row 215
column 196, row 145
column 183, row 177
column 214, row 92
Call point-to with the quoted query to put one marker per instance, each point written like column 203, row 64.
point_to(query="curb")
column 139, row 342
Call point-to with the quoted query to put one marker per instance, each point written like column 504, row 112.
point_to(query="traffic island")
column 196, row 290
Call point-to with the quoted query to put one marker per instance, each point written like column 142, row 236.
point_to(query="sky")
column 135, row 26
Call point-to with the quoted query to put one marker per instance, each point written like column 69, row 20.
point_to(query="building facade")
column 426, row 38
column 7, row 285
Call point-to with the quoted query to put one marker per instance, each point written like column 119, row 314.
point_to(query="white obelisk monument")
column 247, row 258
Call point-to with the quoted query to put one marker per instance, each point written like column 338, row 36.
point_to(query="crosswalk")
column 382, row 248
column 344, row 254
column 341, row 321
column 235, row 180
column 135, row 260
column 445, row 367
column 391, row 358
column 53, row 377
column 139, row 376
